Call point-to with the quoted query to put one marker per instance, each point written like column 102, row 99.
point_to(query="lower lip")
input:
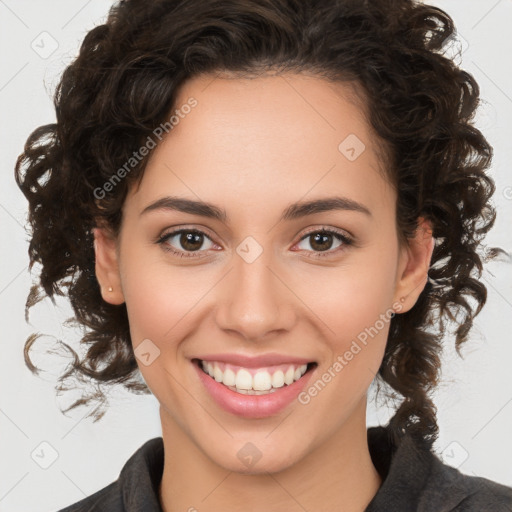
column 252, row 406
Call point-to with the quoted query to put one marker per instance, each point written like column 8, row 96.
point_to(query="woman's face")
column 306, row 285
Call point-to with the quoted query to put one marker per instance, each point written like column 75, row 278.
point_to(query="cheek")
column 157, row 307
column 354, row 304
column 353, row 296
column 356, row 317
column 158, row 295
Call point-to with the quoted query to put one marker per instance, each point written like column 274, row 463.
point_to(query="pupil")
column 323, row 236
column 187, row 241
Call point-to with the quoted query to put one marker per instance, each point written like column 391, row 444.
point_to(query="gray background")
column 474, row 399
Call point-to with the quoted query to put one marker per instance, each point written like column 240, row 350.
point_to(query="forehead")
column 253, row 135
column 292, row 111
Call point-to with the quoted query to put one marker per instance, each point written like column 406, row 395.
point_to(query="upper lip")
column 255, row 361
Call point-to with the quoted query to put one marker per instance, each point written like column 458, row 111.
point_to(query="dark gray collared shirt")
column 414, row 480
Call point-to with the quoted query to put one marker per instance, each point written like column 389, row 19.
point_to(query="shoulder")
column 107, row 499
column 415, row 478
column 465, row 493
column 135, row 489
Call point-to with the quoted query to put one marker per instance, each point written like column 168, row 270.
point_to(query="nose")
column 255, row 300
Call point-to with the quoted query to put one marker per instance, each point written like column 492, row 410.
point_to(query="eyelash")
column 347, row 241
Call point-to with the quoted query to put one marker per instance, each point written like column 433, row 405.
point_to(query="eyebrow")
column 292, row 212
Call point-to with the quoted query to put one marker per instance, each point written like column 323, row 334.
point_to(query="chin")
column 250, row 460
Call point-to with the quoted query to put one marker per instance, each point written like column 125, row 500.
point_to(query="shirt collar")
column 404, row 471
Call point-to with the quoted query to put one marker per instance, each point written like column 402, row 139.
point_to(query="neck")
column 337, row 475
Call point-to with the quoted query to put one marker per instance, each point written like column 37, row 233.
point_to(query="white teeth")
column 278, row 379
column 261, row 383
column 288, row 376
column 251, row 391
column 217, row 373
column 229, row 377
column 243, row 379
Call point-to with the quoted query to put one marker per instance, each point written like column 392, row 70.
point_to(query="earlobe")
column 414, row 265
column 107, row 267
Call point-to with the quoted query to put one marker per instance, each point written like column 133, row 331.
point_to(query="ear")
column 413, row 268
column 107, row 266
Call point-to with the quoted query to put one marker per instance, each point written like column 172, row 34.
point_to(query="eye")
column 321, row 241
column 191, row 240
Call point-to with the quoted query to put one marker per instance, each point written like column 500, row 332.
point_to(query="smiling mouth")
column 254, row 381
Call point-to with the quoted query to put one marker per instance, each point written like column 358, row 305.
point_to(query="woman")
column 262, row 207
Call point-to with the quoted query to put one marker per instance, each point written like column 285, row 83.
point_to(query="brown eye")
column 191, row 241
column 321, row 241
column 184, row 241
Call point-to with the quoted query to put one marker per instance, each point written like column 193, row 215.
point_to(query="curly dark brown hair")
column 124, row 83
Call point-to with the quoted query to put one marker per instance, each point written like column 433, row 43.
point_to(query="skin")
column 253, row 147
